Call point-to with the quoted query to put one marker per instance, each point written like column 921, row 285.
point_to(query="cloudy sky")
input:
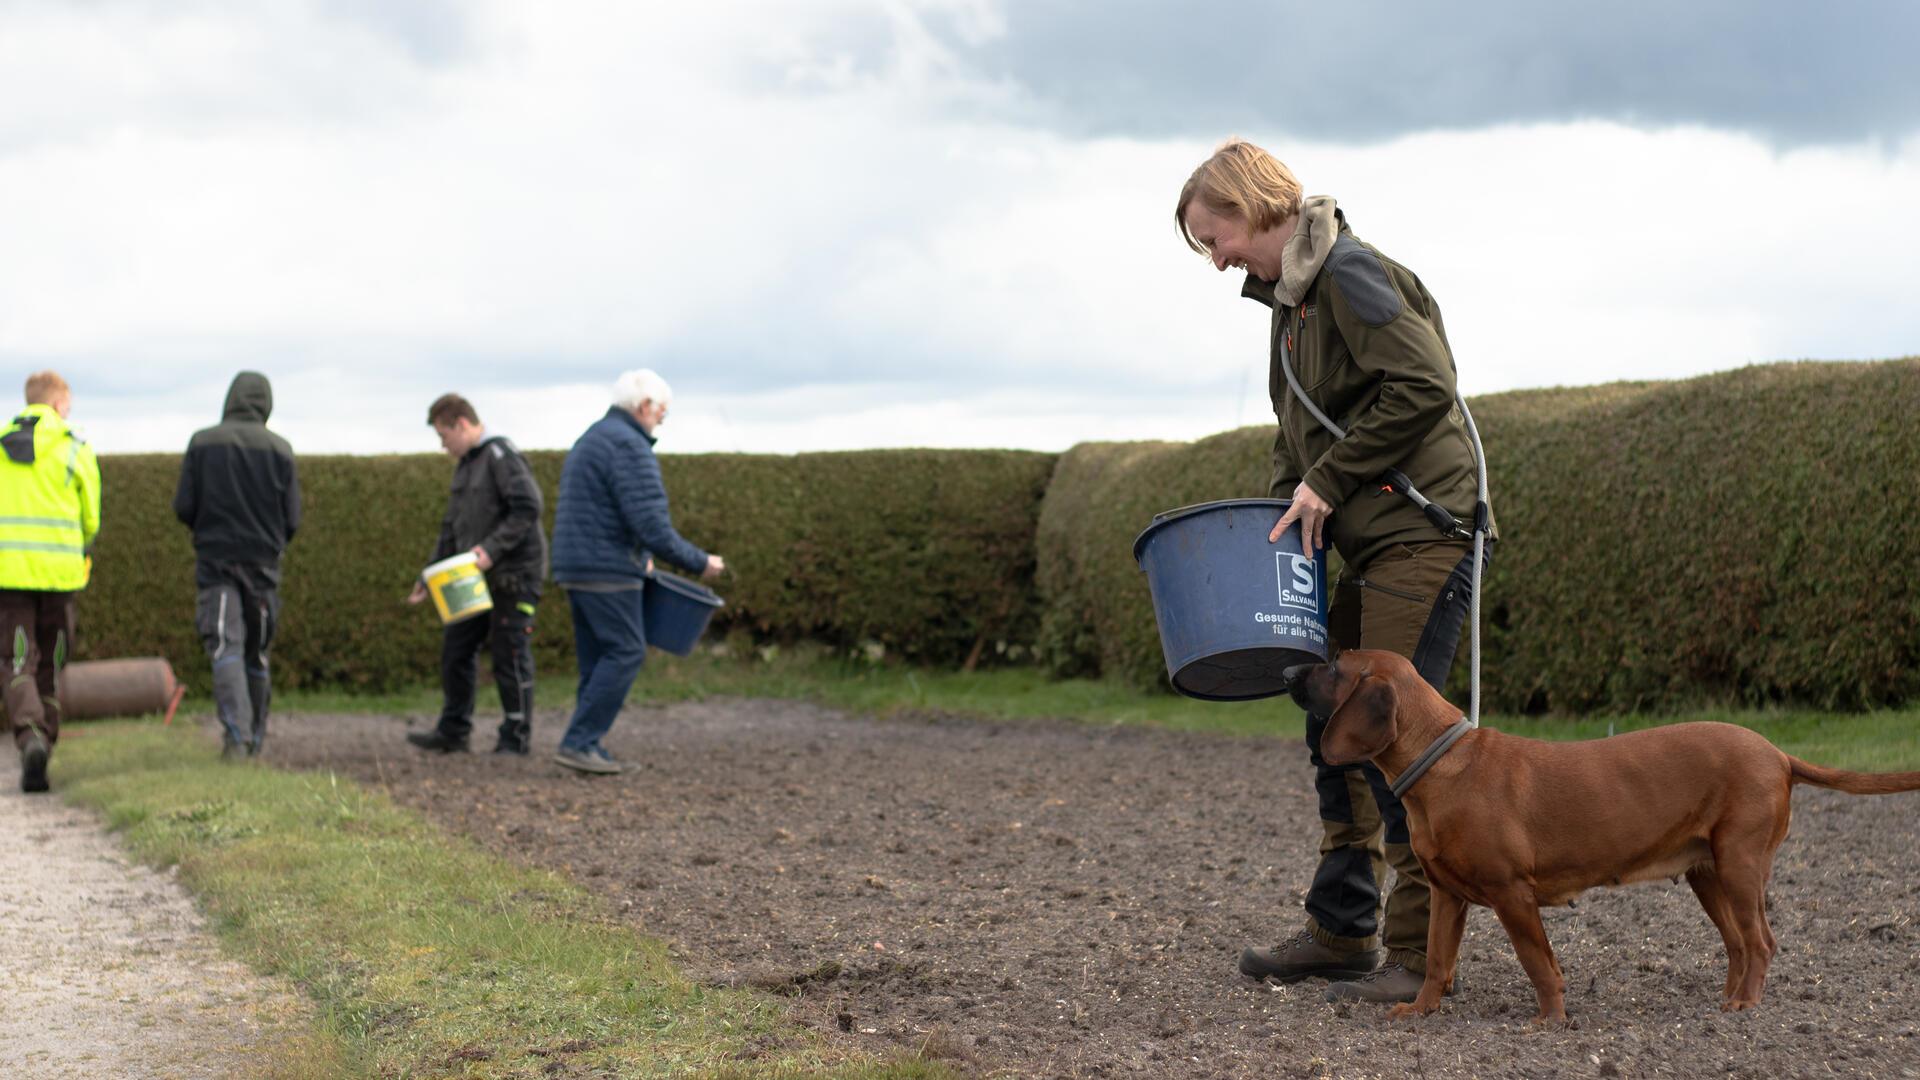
column 852, row 223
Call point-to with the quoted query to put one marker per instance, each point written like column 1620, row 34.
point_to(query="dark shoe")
column 511, row 746
column 1301, row 957
column 586, row 761
column 437, row 741
column 229, row 749
column 33, row 763
column 1388, row 985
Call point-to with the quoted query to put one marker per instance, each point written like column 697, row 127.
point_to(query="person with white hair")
column 611, row 521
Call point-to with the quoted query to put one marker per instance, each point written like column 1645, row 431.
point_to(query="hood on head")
column 249, row 398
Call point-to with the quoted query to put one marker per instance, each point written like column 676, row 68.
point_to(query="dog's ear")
column 1364, row 724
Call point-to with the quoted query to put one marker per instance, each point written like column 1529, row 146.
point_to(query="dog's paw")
column 1408, row 1011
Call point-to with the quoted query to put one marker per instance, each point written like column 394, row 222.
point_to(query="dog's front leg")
column 1445, row 925
column 1519, row 912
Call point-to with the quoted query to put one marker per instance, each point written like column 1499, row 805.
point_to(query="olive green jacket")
column 1368, row 347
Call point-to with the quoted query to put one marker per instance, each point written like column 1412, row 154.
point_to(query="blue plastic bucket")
column 675, row 611
column 1234, row 610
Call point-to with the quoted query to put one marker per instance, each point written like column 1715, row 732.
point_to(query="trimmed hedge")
column 1097, row 613
column 1736, row 538
column 1745, row 538
column 928, row 553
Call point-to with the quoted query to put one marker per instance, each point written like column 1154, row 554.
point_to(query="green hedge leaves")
column 924, row 553
column 1742, row 538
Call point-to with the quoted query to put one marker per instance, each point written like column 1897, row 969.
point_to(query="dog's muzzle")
column 1295, row 679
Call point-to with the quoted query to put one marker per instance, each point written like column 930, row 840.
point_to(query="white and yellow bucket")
column 458, row 588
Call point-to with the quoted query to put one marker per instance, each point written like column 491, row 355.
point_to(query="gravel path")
column 106, row 968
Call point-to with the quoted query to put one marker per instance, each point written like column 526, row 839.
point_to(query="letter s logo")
column 1303, row 575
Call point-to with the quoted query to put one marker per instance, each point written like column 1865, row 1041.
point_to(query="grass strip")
column 425, row 955
column 1884, row 740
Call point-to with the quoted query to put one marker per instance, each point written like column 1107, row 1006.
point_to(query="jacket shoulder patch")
column 1363, row 280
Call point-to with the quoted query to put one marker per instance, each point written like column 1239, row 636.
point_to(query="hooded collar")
column 1306, row 252
column 1307, row 249
column 249, row 398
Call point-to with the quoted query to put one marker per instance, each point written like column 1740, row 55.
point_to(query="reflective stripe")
column 220, row 627
column 28, row 545
column 42, row 522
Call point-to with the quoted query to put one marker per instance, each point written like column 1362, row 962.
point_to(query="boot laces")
column 1301, row 938
column 1381, row 972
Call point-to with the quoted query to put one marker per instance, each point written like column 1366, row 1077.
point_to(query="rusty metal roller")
column 92, row 689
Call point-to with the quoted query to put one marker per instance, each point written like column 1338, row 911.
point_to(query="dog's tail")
column 1853, row 783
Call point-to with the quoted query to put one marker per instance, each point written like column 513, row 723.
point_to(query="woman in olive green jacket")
column 1367, row 347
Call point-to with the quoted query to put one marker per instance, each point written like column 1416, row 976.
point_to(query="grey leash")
column 1442, row 519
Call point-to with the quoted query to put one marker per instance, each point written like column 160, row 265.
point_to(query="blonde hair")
column 1240, row 180
column 46, row 387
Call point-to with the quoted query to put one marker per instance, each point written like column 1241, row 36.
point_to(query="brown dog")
column 1517, row 824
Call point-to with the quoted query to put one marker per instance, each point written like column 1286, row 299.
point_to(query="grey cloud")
column 323, row 63
column 433, row 32
column 1367, row 70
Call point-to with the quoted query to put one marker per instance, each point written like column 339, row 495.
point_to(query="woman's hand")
column 1312, row 512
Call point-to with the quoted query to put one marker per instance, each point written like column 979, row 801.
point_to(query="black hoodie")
column 238, row 489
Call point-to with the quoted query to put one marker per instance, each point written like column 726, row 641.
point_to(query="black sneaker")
column 33, row 762
column 511, row 746
column 1301, row 957
column 437, row 741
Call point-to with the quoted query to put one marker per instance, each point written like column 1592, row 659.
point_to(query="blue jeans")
column 611, row 643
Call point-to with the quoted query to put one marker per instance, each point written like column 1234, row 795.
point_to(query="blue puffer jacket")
column 613, row 508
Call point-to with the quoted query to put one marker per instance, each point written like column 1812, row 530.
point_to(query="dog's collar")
column 1430, row 755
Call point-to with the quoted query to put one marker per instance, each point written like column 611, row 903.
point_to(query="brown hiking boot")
column 1389, row 985
column 1300, row 957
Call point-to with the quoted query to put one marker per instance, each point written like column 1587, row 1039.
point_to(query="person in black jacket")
column 493, row 510
column 240, row 494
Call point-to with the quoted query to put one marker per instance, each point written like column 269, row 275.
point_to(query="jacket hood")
column 249, row 398
column 1307, row 249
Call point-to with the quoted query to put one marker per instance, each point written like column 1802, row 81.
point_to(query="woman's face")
column 1233, row 243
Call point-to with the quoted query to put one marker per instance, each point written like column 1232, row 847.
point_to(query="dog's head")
column 1355, row 692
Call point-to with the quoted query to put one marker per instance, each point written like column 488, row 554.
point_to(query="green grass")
column 1884, row 740
column 425, row 955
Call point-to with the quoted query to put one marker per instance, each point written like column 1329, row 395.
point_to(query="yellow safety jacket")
column 49, row 503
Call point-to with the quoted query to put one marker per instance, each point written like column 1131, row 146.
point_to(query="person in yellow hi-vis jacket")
column 49, row 515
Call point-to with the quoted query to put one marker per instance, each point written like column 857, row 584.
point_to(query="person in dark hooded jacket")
column 240, row 494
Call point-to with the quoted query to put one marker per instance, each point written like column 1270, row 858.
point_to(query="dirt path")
column 1056, row 899
column 106, row 968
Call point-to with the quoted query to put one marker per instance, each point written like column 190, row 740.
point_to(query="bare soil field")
column 1059, row 899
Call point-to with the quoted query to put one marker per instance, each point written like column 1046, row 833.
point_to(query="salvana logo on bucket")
column 1296, row 580
column 1295, row 574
